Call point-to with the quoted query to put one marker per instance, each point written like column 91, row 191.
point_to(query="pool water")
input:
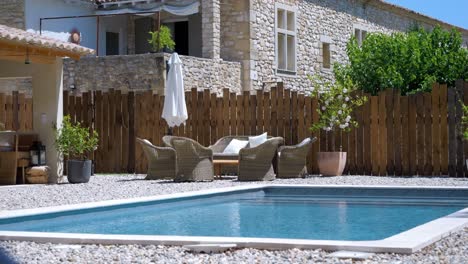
column 299, row 213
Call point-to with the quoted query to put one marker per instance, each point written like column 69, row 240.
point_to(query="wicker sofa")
column 221, row 145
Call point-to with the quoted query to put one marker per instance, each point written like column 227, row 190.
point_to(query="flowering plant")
column 336, row 103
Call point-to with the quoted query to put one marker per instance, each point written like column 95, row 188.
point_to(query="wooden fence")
column 16, row 111
column 398, row 135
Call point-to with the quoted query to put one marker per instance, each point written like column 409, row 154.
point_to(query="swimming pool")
column 348, row 217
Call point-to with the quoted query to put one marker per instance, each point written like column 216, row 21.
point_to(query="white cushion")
column 257, row 140
column 235, row 146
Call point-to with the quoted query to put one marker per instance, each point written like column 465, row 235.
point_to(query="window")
column 326, row 64
column 360, row 35
column 285, row 39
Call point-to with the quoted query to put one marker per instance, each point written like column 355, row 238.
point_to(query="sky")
column 454, row 12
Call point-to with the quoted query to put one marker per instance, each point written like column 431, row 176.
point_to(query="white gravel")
column 452, row 249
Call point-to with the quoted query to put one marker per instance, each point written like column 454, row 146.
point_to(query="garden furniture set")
column 258, row 158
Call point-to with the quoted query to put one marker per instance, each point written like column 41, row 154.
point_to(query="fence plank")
column 458, row 128
column 214, row 119
column 465, row 100
column 280, row 106
column 240, row 115
column 2, row 108
column 99, row 160
column 316, row 145
column 427, row 134
column 405, row 145
column 444, row 142
column 420, row 133
column 225, row 112
column 125, row 133
column 253, row 114
column 397, row 133
column 274, row 111
column 287, row 117
column 294, row 121
column 382, row 134
column 21, row 112
column 247, row 114
column 374, row 134
column 308, row 124
column 131, row 132
column 206, row 117
column 390, row 126
column 105, row 132
column 412, row 135
column 301, row 120
column 260, row 107
column 367, row 136
column 435, row 129
column 452, row 133
column 356, row 141
column 233, row 114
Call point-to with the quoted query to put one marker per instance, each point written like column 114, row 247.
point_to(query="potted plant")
column 336, row 103
column 75, row 142
column 161, row 40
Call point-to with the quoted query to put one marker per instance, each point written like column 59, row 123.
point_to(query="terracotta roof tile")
column 22, row 37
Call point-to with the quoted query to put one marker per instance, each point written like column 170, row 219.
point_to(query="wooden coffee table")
column 218, row 165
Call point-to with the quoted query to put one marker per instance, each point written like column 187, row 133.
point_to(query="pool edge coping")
column 405, row 242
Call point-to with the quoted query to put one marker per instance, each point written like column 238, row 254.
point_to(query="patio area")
column 452, row 249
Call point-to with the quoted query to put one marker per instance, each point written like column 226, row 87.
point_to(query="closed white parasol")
column 175, row 110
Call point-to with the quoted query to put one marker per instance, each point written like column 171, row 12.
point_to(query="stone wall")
column 211, row 18
column 236, row 41
column 318, row 20
column 214, row 75
column 126, row 72
column 22, row 85
column 147, row 72
column 12, row 13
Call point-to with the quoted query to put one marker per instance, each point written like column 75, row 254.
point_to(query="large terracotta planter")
column 331, row 163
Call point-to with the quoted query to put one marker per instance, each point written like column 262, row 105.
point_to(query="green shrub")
column 411, row 61
column 161, row 39
column 74, row 140
column 336, row 103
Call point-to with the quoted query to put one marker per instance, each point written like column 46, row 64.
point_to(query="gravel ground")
column 452, row 249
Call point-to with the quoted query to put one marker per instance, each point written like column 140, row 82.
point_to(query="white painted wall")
column 116, row 24
column 36, row 9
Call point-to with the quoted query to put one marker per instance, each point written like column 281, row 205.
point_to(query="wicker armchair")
column 161, row 161
column 194, row 162
column 292, row 159
column 255, row 164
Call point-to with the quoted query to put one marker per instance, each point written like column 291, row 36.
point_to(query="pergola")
column 25, row 54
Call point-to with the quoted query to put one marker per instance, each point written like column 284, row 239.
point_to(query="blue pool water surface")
column 273, row 212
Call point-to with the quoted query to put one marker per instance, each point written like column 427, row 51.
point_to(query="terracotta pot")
column 331, row 163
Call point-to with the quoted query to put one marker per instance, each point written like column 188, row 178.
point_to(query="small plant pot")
column 331, row 163
column 79, row 171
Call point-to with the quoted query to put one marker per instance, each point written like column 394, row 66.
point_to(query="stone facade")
column 211, row 31
column 147, row 72
column 316, row 21
column 12, row 13
column 236, row 38
column 22, row 85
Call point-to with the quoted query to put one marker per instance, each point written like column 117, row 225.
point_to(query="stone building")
column 235, row 44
